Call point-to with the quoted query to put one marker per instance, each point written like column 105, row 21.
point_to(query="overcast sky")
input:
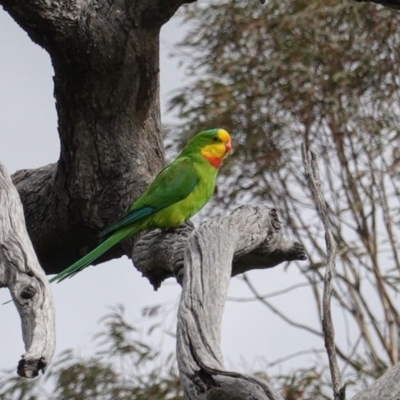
column 29, row 139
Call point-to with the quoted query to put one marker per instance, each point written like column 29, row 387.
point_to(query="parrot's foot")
column 168, row 230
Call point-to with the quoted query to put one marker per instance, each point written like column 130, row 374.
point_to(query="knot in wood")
column 28, row 292
column 276, row 223
column 30, row 368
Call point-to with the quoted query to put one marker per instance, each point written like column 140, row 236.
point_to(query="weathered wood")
column 20, row 271
column 207, row 272
column 387, row 387
column 159, row 254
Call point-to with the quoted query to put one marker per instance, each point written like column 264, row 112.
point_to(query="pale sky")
column 29, row 139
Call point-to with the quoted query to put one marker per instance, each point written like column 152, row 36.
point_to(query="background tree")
column 326, row 74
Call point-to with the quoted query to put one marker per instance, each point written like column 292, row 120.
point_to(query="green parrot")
column 178, row 192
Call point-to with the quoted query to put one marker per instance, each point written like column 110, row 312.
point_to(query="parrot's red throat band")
column 213, row 160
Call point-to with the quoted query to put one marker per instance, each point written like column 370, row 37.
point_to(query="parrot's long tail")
column 94, row 254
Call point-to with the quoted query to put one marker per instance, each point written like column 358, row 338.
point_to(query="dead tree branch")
column 385, row 388
column 314, row 183
column 20, row 271
column 160, row 254
column 207, row 272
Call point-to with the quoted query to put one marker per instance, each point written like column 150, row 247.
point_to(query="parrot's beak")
column 228, row 147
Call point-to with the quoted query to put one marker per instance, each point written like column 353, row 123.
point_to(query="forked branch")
column 208, row 256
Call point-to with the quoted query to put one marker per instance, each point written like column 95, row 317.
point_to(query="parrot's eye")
column 216, row 139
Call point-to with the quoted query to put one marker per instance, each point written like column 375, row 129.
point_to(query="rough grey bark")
column 207, row 272
column 20, row 271
column 166, row 258
column 105, row 56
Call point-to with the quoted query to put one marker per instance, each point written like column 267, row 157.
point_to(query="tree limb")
column 20, row 271
column 314, row 183
column 160, row 254
column 207, row 272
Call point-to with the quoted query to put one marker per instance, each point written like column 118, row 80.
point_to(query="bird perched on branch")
column 178, row 192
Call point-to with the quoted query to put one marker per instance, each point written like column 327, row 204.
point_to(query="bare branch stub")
column 207, row 272
column 313, row 177
column 20, row 271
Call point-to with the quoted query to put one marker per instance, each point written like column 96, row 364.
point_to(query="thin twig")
column 269, row 295
column 277, row 311
column 313, row 177
column 293, row 355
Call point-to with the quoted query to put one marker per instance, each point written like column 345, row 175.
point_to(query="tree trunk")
column 106, row 62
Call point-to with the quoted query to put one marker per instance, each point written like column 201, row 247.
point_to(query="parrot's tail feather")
column 93, row 255
column 128, row 219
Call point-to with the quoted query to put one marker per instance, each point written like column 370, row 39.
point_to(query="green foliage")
column 305, row 384
column 122, row 368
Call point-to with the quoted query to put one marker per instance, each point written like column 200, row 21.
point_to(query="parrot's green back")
column 177, row 193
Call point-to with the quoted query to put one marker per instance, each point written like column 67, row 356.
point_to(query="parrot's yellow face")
column 218, row 149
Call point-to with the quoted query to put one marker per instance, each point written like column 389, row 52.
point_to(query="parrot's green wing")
column 173, row 184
